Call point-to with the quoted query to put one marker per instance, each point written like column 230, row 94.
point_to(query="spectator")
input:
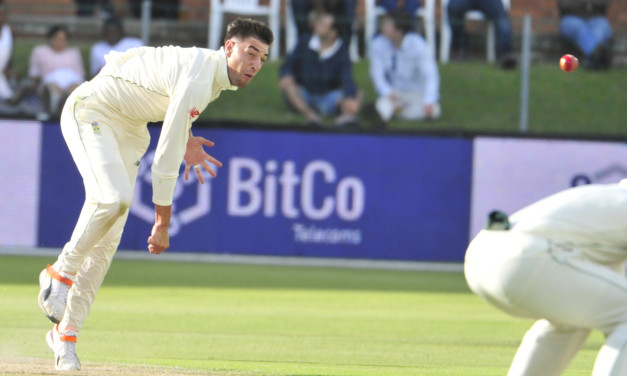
column 162, row 9
column 404, row 71
column 408, row 6
column 584, row 23
column 57, row 67
column 495, row 11
column 113, row 40
column 343, row 11
column 6, row 51
column 316, row 79
column 54, row 71
column 89, row 8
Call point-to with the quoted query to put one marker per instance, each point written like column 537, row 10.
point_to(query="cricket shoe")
column 54, row 287
column 63, row 344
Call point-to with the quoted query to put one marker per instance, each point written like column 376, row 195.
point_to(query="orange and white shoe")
column 53, row 289
column 63, row 344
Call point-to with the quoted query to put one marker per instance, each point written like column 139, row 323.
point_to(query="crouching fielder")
column 560, row 261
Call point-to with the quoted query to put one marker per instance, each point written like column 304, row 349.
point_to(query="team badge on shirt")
column 95, row 127
column 193, row 112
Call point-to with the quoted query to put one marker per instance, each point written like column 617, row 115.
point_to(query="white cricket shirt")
column 591, row 219
column 169, row 84
column 409, row 68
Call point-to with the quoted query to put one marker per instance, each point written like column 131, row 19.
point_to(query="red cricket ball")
column 569, row 63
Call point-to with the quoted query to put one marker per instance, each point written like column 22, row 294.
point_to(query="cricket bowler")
column 104, row 123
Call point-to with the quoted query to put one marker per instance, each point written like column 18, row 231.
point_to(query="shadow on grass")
column 25, row 270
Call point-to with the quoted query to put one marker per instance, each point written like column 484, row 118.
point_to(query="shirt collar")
column 315, row 45
column 222, row 76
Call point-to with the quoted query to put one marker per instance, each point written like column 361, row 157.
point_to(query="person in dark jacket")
column 316, row 79
column 342, row 10
column 584, row 23
column 409, row 6
column 394, row 6
column 495, row 11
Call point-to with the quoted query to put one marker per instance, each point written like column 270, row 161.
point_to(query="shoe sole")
column 44, row 293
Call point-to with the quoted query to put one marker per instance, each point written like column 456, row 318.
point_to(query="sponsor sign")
column 19, row 182
column 319, row 195
column 510, row 173
column 293, row 194
column 310, row 194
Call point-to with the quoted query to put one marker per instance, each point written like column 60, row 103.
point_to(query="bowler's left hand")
column 196, row 156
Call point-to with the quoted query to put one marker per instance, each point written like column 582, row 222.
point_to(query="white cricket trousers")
column 528, row 276
column 106, row 148
column 408, row 106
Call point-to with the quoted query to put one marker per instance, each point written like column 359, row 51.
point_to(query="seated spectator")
column 584, row 23
column 54, row 71
column 404, row 71
column 495, row 11
column 114, row 40
column 90, row 8
column 6, row 51
column 408, row 6
column 343, row 10
column 316, row 79
column 162, row 9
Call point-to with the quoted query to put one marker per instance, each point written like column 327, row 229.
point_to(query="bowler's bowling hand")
column 159, row 239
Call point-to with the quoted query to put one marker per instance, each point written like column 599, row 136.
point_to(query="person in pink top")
column 54, row 71
column 57, row 68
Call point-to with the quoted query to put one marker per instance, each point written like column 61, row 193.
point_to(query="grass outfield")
column 166, row 318
column 475, row 97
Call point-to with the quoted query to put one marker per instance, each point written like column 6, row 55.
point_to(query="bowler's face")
column 245, row 59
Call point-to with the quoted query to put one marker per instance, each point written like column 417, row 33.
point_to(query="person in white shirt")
column 6, row 53
column 403, row 71
column 104, row 123
column 113, row 40
column 560, row 261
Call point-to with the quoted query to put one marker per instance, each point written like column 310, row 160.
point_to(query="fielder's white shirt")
column 592, row 219
column 169, row 84
column 410, row 68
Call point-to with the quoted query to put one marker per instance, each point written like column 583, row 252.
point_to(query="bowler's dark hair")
column 402, row 20
column 54, row 30
column 246, row 27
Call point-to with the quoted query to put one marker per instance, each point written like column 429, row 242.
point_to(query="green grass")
column 476, row 97
column 270, row 320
